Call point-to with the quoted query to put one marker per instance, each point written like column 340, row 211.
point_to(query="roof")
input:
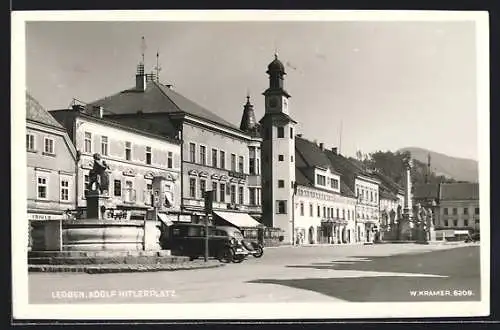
column 146, row 126
column 426, row 191
column 157, row 98
column 385, row 194
column 279, row 115
column 387, row 182
column 459, row 191
column 35, row 112
column 248, row 121
column 311, row 154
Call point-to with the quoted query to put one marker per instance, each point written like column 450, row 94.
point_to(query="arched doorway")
column 311, row 235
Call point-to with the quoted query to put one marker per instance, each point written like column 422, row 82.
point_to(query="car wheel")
column 259, row 252
column 238, row 259
column 226, row 255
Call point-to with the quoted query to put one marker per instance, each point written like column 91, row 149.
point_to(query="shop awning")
column 238, row 219
column 163, row 218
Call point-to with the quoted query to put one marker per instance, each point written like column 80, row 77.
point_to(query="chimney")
column 334, row 150
column 78, row 107
column 140, row 78
column 98, row 111
column 321, row 145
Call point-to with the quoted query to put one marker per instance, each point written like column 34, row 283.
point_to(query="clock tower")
column 278, row 153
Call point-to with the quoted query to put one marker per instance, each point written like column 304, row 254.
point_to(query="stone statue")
column 98, row 175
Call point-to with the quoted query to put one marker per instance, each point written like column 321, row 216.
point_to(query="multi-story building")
column 215, row 155
column 137, row 159
column 391, row 196
column 278, row 151
column 51, row 165
column 458, row 206
column 366, row 188
column 324, row 205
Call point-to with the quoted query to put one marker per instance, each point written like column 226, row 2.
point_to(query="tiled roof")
column 35, row 112
column 385, row 194
column 459, row 191
column 281, row 115
column 311, row 154
column 157, row 98
column 423, row 191
column 388, row 182
column 345, row 190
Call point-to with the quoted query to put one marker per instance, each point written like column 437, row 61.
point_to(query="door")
column 311, row 235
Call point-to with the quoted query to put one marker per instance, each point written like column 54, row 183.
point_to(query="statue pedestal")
column 97, row 204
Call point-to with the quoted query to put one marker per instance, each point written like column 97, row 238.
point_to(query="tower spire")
column 157, row 67
column 143, row 48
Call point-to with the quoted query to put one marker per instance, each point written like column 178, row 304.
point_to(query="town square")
column 252, row 162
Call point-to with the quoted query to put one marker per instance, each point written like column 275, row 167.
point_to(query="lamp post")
column 209, row 197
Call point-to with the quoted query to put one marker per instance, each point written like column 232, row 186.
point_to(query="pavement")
column 356, row 273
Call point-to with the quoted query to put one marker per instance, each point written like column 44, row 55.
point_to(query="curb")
column 118, row 268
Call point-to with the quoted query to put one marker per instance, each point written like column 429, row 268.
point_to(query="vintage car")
column 188, row 239
column 254, row 248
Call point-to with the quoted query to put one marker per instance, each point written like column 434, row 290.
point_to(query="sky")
column 362, row 85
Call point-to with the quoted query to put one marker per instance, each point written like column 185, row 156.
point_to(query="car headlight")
column 233, row 241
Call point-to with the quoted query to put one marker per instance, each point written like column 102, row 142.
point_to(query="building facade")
column 278, row 151
column 137, row 160
column 458, row 206
column 325, row 207
column 51, row 165
column 214, row 154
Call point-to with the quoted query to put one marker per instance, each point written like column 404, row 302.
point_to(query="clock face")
column 273, row 102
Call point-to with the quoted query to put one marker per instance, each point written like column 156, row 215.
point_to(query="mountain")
column 460, row 169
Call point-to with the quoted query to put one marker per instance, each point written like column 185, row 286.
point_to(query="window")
column 233, row 162
column 251, row 192
column 281, row 132
column 343, row 214
column 476, row 211
column 466, row 210
column 86, row 182
column 357, row 195
column 203, row 155
column 214, row 189
column 233, row 194
column 30, row 142
column 455, row 211
column 214, row 157
column 324, row 212
column 466, row 223
column 48, row 146
column 348, row 214
column 64, row 190
column 291, row 159
column 222, row 156
column 281, row 207
column 301, row 208
column 148, row 155
column 170, row 159
column 241, row 164
column 455, row 223
column 338, row 216
column 128, row 150
column 241, row 196
column 251, row 166
column 311, row 212
column 281, row 158
column 371, row 196
column 445, row 211
column 257, row 167
column 129, row 192
column 320, row 179
column 88, row 143
column 375, row 197
column 148, row 193
column 334, row 183
column 203, row 186
column 281, row 183
column 42, row 187
column 192, row 187
column 117, row 188
column 222, row 192
column 319, row 211
column 192, row 152
column 104, row 145
column 446, row 223
column 291, row 133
